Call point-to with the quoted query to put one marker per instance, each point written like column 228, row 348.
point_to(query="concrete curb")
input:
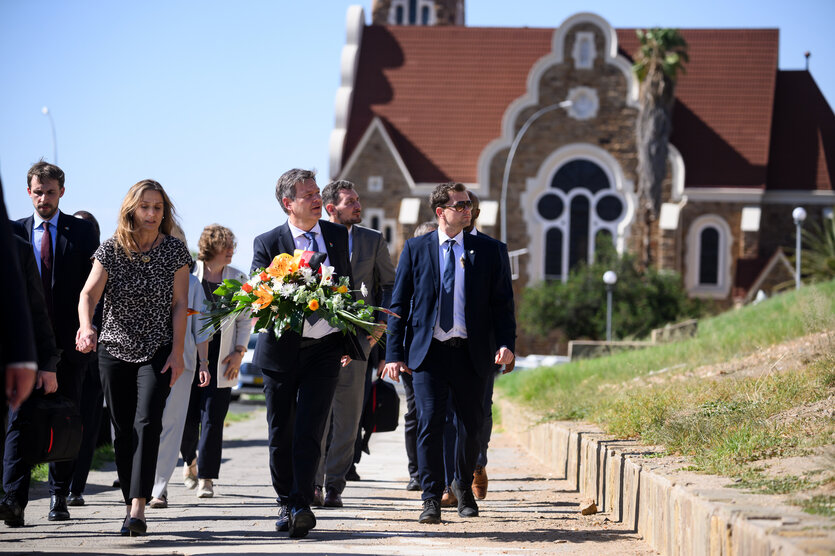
column 675, row 511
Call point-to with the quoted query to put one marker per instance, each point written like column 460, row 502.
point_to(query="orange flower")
column 280, row 266
column 264, row 297
column 313, row 305
column 342, row 289
column 247, row 288
column 263, row 276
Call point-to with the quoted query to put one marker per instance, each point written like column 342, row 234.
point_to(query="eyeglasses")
column 460, row 206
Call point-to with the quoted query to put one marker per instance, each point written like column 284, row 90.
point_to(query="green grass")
column 237, row 417
column 722, row 425
column 103, row 455
column 40, row 473
column 821, row 504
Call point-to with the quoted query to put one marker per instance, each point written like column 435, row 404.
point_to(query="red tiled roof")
column 803, row 135
column 442, row 92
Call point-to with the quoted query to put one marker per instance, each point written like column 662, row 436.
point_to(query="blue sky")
column 216, row 99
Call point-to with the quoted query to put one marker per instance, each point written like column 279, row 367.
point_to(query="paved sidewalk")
column 525, row 512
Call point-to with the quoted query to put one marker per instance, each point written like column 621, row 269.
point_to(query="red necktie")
column 46, row 267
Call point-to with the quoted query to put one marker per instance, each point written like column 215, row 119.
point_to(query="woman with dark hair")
column 203, row 434
column 142, row 271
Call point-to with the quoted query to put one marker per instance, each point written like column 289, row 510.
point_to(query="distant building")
column 425, row 99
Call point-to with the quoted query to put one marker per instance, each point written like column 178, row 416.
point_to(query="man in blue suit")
column 455, row 300
column 300, row 371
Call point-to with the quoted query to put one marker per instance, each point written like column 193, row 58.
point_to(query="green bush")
column 641, row 301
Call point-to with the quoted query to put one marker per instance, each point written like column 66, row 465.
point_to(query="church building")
column 540, row 123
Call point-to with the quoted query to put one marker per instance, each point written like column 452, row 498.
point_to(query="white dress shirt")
column 459, row 326
column 321, row 328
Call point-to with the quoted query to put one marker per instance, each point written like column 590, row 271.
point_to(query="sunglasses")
column 460, row 206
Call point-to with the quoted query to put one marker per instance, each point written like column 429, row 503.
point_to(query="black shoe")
column 11, row 513
column 413, row 485
column 466, row 501
column 302, row 520
column 333, row 499
column 117, row 484
column 137, row 527
column 124, row 531
column 75, row 500
column 58, row 508
column 431, row 511
column 283, row 521
column 318, row 497
column 352, row 474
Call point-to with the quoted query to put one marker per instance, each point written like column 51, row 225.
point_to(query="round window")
column 609, row 208
column 550, row 206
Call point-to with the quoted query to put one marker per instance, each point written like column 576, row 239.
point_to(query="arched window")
column 412, row 12
column 398, row 14
column 580, row 203
column 708, row 271
column 709, row 257
column 424, row 15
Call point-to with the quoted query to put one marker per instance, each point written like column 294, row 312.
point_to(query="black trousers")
column 298, row 401
column 135, row 395
column 203, row 432
column 92, row 403
column 16, row 470
column 446, row 372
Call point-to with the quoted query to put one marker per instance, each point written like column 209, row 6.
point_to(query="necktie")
column 46, row 267
column 448, row 289
column 312, row 246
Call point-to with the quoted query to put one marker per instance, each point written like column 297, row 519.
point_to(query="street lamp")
column 45, row 111
column 609, row 278
column 799, row 215
column 516, row 140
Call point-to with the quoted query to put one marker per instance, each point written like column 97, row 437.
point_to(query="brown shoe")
column 448, row 500
column 480, row 483
column 318, row 497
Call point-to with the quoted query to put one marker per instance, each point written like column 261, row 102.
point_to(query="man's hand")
column 19, row 383
column 46, row 380
column 504, row 356
column 509, row 367
column 394, row 369
column 375, row 336
column 345, row 361
column 233, row 365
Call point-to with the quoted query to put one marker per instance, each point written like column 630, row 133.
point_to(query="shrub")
column 641, row 301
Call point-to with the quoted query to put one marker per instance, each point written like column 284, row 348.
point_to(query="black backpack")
column 50, row 429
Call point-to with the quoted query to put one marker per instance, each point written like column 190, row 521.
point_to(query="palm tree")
column 661, row 57
column 818, row 260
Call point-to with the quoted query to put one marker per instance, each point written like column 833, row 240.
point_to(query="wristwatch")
column 240, row 349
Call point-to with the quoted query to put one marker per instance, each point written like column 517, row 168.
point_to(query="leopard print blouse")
column 137, row 298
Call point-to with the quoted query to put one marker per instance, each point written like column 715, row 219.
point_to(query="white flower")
column 327, row 272
column 287, row 290
column 363, row 290
column 263, row 330
column 274, row 308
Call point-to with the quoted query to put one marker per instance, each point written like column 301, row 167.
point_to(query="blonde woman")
column 203, row 434
column 142, row 271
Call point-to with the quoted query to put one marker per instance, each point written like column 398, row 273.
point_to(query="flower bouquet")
column 288, row 291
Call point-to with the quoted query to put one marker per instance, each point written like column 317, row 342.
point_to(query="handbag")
column 382, row 409
column 50, row 429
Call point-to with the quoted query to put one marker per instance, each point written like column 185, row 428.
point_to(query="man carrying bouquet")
column 300, row 370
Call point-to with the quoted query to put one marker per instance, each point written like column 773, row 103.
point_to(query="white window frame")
column 433, row 16
column 722, row 289
column 385, row 224
column 375, row 184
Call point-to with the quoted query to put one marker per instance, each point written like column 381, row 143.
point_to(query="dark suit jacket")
column 268, row 351
column 488, row 298
column 74, row 247
column 17, row 343
column 48, row 353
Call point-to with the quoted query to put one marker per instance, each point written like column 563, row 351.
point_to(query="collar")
column 459, row 238
column 474, row 231
column 296, row 232
column 38, row 221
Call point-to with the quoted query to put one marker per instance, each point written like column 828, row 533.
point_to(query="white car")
column 250, row 379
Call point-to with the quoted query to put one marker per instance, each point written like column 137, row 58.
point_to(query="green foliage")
column 640, row 301
column 821, row 504
column 818, row 260
column 40, row 473
column 103, row 454
column 663, row 49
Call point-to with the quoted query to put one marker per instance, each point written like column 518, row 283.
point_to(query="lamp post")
column 516, row 140
column 45, row 111
column 609, row 278
column 799, row 215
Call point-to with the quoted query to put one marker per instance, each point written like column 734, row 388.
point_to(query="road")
column 526, row 512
